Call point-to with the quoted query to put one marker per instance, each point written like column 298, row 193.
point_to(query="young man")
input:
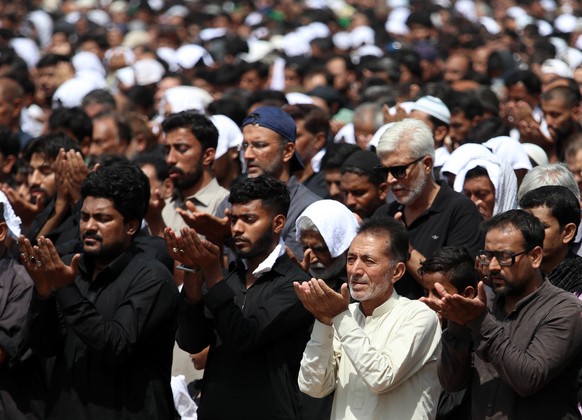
column 251, row 318
column 379, row 354
column 527, row 338
column 108, row 314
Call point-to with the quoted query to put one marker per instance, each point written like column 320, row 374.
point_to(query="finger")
column 75, row 263
column 441, row 290
column 190, row 206
column 171, row 241
column 211, row 247
column 481, row 292
column 398, row 216
column 345, row 291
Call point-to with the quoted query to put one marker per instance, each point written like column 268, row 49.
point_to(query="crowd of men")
column 290, row 210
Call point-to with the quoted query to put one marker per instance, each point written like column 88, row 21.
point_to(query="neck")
column 204, row 180
column 304, row 175
column 285, row 174
column 511, row 301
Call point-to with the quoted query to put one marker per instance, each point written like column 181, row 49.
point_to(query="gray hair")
column 306, row 224
column 550, row 174
column 412, row 132
column 369, row 111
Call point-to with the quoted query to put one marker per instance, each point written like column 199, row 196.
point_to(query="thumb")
column 398, row 216
column 345, row 293
column 75, row 263
column 481, row 292
column 190, row 206
column 306, row 259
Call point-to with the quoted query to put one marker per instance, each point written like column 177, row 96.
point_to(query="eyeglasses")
column 504, row 258
column 397, row 172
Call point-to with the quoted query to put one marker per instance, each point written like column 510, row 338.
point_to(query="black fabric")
column 568, row 274
column 451, row 220
column 256, row 338
column 112, row 338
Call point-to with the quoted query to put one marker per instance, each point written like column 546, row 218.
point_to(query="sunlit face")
column 41, row 178
column 252, row 228
column 456, row 67
column 106, row 140
column 560, row 117
column 184, row 158
column 321, row 264
column 481, row 191
column 333, row 178
column 518, row 92
column 554, row 235
column 263, row 151
column 459, row 128
column 360, row 195
column 408, row 189
column 370, row 272
column 104, row 233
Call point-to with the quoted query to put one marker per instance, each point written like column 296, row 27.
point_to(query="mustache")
column 240, row 238
column 175, row 169
column 93, row 236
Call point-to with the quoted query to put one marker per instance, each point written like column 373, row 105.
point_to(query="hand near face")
column 23, row 208
column 206, row 224
column 76, row 173
column 31, row 261
column 455, row 307
column 321, row 300
column 190, row 250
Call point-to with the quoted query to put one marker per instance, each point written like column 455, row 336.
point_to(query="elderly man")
column 526, row 338
column 434, row 214
column 326, row 229
column 379, row 354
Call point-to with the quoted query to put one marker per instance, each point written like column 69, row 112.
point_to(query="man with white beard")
column 434, row 214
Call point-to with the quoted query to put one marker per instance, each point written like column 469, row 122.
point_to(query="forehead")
column 312, row 237
column 479, row 182
column 543, row 213
column 98, row 205
column 255, row 207
column 256, row 132
column 401, row 155
column 39, row 159
column 181, row 135
column 504, row 238
column 429, row 279
column 422, row 116
column 104, row 124
column 353, row 181
column 369, row 244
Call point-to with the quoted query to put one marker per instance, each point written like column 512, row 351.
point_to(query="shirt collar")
column 269, row 262
column 206, row 194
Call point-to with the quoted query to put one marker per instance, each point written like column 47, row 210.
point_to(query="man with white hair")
column 434, row 214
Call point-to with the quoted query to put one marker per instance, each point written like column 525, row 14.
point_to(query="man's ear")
column 288, row 151
column 568, row 233
column 469, row 292
column 399, row 270
column 208, row 156
column 383, row 191
column 439, row 135
column 279, row 223
column 319, row 142
column 536, row 255
column 3, row 231
column 9, row 162
column 132, row 227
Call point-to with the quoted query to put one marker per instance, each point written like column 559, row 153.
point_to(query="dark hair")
column 396, row 247
column 157, row 161
column 456, row 263
column 530, row 227
column 49, row 146
column 9, row 143
column 569, row 94
column 272, row 193
column 198, row 124
column 562, row 202
column 314, row 118
column 99, row 96
column 51, row 59
column 476, row 172
column 73, row 120
column 337, row 154
column 529, row 79
column 466, row 102
column 123, row 127
column 124, row 184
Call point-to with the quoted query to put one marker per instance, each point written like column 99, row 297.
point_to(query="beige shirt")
column 381, row 367
column 206, row 200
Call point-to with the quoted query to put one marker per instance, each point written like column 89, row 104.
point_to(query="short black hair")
column 198, row 124
column 529, row 79
column 52, row 59
column 49, row 146
column 123, row 127
column 99, row 96
column 530, row 227
column 74, row 120
column 124, row 184
column 456, row 263
column 476, row 172
column 273, row 193
column 562, row 202
column 157, row 161
column 337, row 154
column 9, row 143
column 395, row 234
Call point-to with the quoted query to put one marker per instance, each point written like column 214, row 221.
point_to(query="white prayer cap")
column 342, row 40
column 187, row 56
column 490, row 25
column 169, row 56
column 229, row 134
column 85, row 60
column 126, row 76
column 258, row 50
column 362, row 35
column 434, row 107
column 184, row 98
column 135, row 38
column 544, row 28
column 148, row 71
column 557, row 67
column 298, row 98
column 296, row 44
column 566, row 23
column 12, row 220
column 253, row 19
column 511, row 150
column 376, row 137
column 177, row 11
column 71, row 93
column 467, row 8
column 99, row 17
column 118, row 6
column 128, row 54
column 208, row 34
column 335, row 222
column 364, row 51
column 27, row 50
column 536, row 153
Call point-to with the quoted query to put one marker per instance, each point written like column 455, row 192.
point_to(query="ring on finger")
column 32, row 259
column 175, row 250
column 38, row 263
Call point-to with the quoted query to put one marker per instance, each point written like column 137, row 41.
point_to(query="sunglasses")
column 398, row 172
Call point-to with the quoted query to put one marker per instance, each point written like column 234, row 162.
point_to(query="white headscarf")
column 183, row 98
column 336, row 224
column 470, row 155
column 511, row 150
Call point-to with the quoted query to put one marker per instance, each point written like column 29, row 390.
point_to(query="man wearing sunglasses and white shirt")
column 434, row 214
column 519, row 350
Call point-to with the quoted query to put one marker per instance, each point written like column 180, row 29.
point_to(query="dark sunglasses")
column 397, row 172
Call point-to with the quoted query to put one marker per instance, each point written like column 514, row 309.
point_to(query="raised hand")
column 321, row 300
column 31, row 261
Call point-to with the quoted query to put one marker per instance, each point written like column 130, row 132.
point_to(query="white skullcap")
column 128, row 54
column 511, row 150
column 366, row 50
column 566, row 23
column 71, row 93
column 258, row 50
column 336, row 224
column 536, row 153
column 490, row 24
column 298, row 98
column 148, row 71
column 87, row 61
column 187, row 56
column 555, row 66
column 184, row 98
column 208, row 34
column 99, row 17
column 296, row 44
column 342, row 40
column 376, row 137
column 229, row 134
column 136, row 38
column 434, row 107
column 27, row 50
column 169, row 56
column 362, row 35
column 126, row 76
column 12, row 220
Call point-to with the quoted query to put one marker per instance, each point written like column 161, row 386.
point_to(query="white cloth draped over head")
column 183, row 98
column 511, row 150
column 335, row 222
column 470, row 155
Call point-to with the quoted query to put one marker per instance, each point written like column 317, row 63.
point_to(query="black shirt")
column 256, row 337
column 451, row 220
column 112, row 338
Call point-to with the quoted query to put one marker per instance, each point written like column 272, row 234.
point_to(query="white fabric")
column 511, row 150
column 183, row 98
column 71, row 93
column 229, row 134
column 395, row 350
column 346, row 134
column 88, row 61
column 376, row 137
column 185, row 405
column 336, row 224
column 441, row 155
column 269, row 262
column 26, row 49
column 316, row 160
column 499, row 170
column 148, row 71
column 298, row 98
column 187, row 56
column 12, row 220
column 536, row 153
